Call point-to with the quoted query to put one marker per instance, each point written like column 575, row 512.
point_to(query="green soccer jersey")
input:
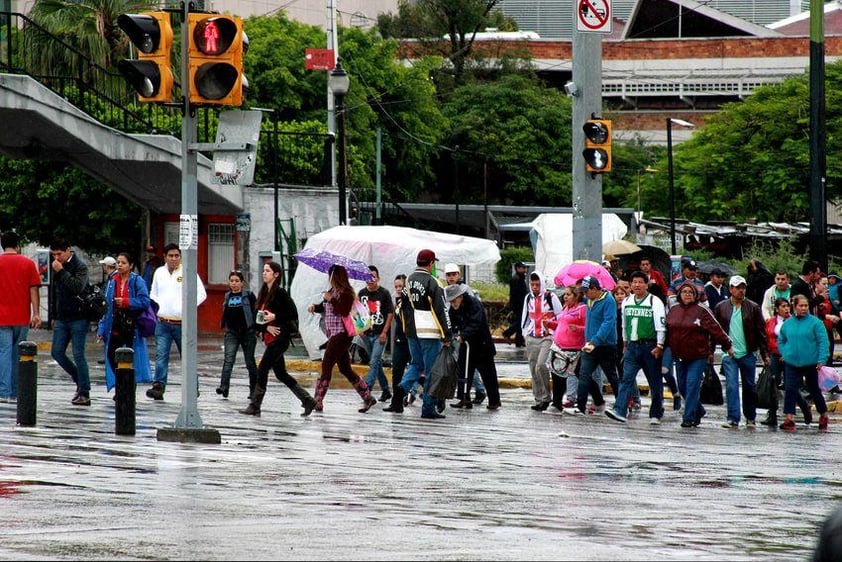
column 644, row 319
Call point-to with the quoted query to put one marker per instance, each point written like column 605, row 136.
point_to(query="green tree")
column 41, row 200
column 752, row 158
column 90, row 26
column 515, row 132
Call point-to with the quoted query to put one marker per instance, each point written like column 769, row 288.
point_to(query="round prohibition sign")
column 594, row 10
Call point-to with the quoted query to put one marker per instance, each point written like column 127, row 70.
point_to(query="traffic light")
column 150, row 74
column 217, row 47
column 597, row 151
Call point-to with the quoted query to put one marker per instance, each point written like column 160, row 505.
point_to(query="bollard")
column 27, row 383
column 125, row 392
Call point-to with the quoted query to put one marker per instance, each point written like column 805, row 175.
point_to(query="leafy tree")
column 90, row 26
column 41, row 200
column 518, row 131
column 752, row 158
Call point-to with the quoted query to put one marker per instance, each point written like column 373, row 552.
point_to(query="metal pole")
column 378, row 212
column 456, row 185
column 818, row 142
column 587, row 188
column 333, row 44
column 125, row 419
column 343, row 163
column 671, row 185
column 188, row 425
column 276, row 244
column 27, row 405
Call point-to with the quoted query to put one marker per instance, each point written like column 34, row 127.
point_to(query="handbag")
column 146, row 322
column 426, row 324
column 767, row 393
column 828, row 378
column 711, row 392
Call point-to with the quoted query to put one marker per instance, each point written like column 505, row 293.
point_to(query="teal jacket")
column 803, row 341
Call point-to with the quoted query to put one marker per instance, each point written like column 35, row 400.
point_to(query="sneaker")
column 433, row 416
column 688, row 424
column 81, row 400
column 440, row 406
column 730, row 424
column 636, row 405
column 479, row 397
column 568, row 404
column 597, row 409
column 222, row 391
column 573, row 411
column 788, row 425
column 676, row 403
column 541, row 406
column 770, row 421
column 751, row 424
column 615, row 416
column 823, row 423
column 409, row 400
column 654, row 421
column 385, row 396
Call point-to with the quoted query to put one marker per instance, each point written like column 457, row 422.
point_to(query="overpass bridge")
column 38, row 123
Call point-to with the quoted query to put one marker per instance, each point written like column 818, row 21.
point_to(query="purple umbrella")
column 321, row 260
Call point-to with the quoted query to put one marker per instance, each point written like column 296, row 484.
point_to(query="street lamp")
column 338, row 82
column 682, row 123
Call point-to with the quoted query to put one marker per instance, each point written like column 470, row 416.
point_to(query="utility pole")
column 818, row 142
column 332, row 44
column 586, row 93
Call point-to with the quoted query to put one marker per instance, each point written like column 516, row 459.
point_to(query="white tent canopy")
column 392, row 249
column 552, row 239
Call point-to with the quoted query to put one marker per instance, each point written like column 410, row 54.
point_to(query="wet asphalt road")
column 507, row 485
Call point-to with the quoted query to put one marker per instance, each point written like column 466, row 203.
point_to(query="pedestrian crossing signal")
column 217, row 47
column 597, row 151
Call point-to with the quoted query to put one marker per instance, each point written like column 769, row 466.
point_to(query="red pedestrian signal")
column 217, row 47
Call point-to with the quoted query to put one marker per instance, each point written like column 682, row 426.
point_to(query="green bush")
column 510, row 256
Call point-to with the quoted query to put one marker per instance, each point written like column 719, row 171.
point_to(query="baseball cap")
column 689, row 264
column 737, row 280
column 108, row 261
column 520, row 264
column 589, row 282
column 451, row 268
column 425, row 257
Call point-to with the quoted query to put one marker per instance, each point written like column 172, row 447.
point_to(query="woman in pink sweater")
column 568, row 337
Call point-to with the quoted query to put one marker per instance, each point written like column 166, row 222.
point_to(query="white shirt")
column 166, row 291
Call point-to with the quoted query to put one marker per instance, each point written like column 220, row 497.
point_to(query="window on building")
column 220, row 252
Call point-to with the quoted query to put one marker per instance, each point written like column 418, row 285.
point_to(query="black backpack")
column 92, row 302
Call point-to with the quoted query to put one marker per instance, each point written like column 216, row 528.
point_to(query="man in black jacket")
column 70, row 326
column 476, row 349
column 518, row 289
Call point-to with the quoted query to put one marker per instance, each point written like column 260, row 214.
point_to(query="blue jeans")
column 638, row 356
column 745, row 367
column 603, row 356
column 423, row 353
column 792, row 387
column 232, row 342
column 375, row 366
column 691, row 373
column 165, row 334
column 73, row 332
column 10, row 337
column 478, row 386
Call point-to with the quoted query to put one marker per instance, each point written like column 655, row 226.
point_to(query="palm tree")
column 89, row 27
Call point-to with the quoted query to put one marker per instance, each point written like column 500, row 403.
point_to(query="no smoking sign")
column 593, row 16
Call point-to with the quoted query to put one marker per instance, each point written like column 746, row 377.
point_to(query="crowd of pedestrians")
column 574, row 339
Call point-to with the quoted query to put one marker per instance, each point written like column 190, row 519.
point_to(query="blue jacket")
column 601, row 322
column 803, row 341
column 138, row 301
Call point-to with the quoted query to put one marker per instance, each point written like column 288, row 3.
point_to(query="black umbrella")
column 707, row 267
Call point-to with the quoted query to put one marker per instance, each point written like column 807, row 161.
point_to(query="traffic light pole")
column 587, row 187
column 188, row 425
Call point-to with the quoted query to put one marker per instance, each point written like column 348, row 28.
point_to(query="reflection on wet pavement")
column 380, row 486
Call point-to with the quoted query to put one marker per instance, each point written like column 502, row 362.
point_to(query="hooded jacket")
column 803, row 341
column 691, row 327
column 549, row 304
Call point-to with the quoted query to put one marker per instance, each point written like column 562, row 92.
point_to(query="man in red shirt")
column 655, row 278
column 19, row 304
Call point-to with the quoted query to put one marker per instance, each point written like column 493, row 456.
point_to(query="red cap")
column 425, row 257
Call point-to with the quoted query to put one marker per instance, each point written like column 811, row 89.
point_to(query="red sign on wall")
column 319, row 59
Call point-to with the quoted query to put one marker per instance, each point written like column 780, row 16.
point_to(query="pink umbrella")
column 572, row 273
